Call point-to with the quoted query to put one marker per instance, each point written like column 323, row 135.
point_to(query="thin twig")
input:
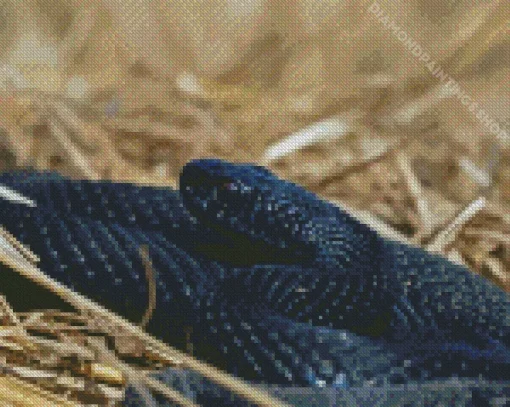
column 24, row 250
column 18, row 329
column 489, row 235
column 416, row 191
column 17, row 392
column 14, row 196
column 360, row 166
column 447, row 235
column 75, row 155
column 151, row 285
column 135, row 378
column 329, row 129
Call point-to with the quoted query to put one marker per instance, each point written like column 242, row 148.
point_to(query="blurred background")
column 320, row 91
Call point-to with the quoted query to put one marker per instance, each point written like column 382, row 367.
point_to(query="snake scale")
column 278, row 285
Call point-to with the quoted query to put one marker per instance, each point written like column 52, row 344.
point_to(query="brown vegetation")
column 319, row 91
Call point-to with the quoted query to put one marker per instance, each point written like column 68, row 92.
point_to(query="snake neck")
column 343, row 242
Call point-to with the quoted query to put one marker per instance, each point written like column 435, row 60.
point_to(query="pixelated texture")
column 451, row 393
column 279, row 286
column 351, row 268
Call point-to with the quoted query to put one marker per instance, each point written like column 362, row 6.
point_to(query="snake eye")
column 226, row 184
column 230, row 186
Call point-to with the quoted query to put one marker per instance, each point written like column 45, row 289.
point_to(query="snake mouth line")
column 240, row 250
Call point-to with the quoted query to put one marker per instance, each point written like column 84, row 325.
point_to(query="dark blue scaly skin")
column 88, row 234
column 249, row 278
column 353, row 278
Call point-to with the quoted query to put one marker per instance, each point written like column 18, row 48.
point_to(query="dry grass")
column 319, row 91
column 69, row 353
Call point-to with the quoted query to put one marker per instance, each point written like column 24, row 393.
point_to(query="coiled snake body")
column 278, row 285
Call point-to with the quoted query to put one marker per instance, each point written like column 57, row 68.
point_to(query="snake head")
column 247, row 200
